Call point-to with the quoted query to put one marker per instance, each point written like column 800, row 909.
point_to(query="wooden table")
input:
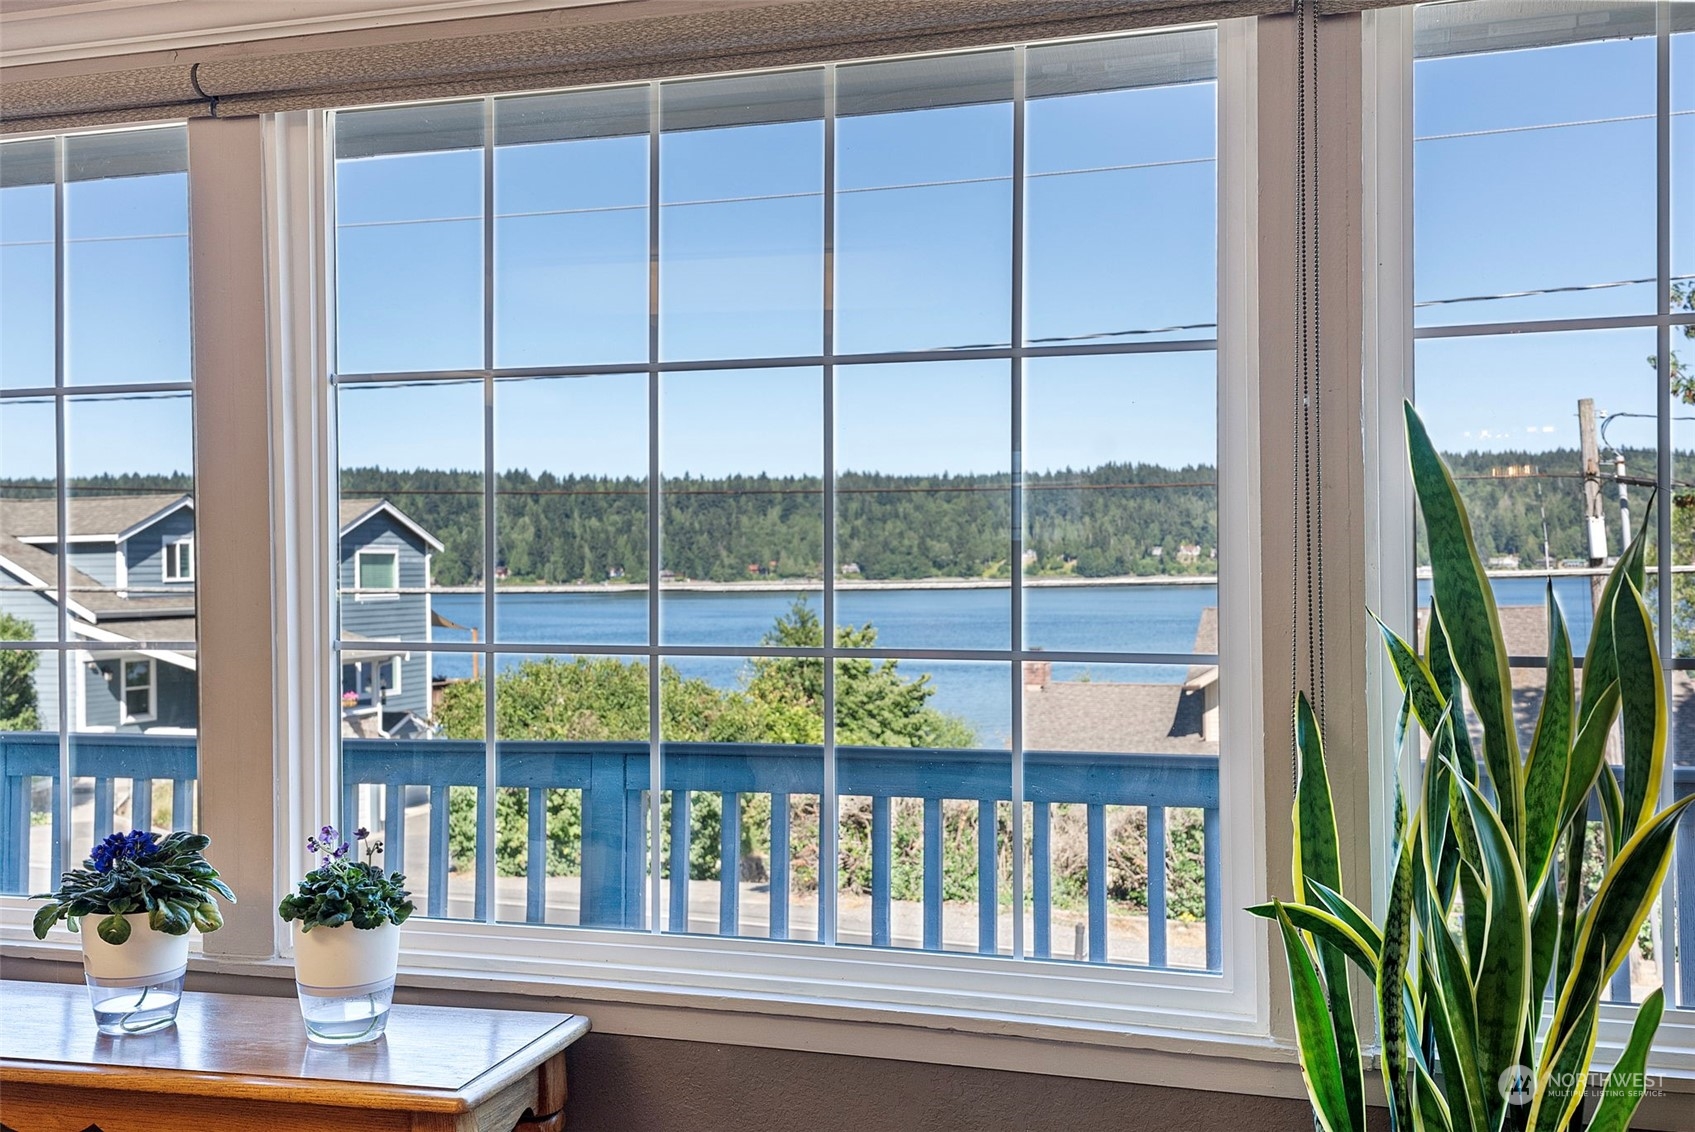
column 234, row 1063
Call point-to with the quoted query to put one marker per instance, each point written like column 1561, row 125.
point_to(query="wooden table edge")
column 537, row 1051
column 328, row 1092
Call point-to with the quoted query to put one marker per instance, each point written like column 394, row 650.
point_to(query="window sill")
column 1149, row 1055
column 1144, row 1054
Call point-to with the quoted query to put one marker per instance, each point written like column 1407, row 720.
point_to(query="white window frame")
column 375, row 593
column 1388, row 166
column 1094, row 1004
column 151, row 688
column 171, row 564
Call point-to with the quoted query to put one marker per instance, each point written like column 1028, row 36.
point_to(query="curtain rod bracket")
column 194, row 81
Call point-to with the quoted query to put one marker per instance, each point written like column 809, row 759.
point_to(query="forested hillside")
column 1114, row 520
column 1100, row 522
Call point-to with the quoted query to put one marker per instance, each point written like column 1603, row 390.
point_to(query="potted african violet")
column 346, row 914
column 148, row 895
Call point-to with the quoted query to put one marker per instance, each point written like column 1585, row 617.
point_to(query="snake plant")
column 1489, row 964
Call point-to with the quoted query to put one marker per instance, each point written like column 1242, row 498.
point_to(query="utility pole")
column 1594, row 525
column 1623, row 500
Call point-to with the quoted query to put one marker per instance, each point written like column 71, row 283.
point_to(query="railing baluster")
column 988, row 909
column 394, row 831
column 1041, row 880
column 634, row 896
column 141, row 802
column 14, row 850
column 606, row 833
column 680, row 810
column 535, row 879
column 932, row 874
column 182, row 803
column 779, row 887
column 349, row 818
column 1619, row 989
column 102, row 809
column 1156, row 886
column 1097, row 882
column 881, row 850
column 1685, row 911
column 438, row 849
column 729, row 863
column 1214, row 881
column 57, row 792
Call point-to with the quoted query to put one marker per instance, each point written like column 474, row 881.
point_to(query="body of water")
column 1127, row 618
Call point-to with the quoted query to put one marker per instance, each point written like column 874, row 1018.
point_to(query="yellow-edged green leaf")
column 1391, row 973
column 1316, row 859
column 1315, row 819
column 1439, row 658
column 1501, row 978
column 1627, row 892
column 1571, row 896
column 1315, row 1037
column 1343, row 909
column 1600, row 665
column 1422, row 694
column 1453, row 1023
column 1562, row 1075
column 1544, row 943
column 1625, row 1084
column 1642, row 694
column 1588, row 751
column 1329, row 928
column 1461, row 591
column 1432, row 1107
column 1550, row 753
column 1612, row 810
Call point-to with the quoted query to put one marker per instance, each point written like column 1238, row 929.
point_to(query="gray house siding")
column 394, row 617
column 42, row 615
column 99, row 560
column 176, row 697
column 144, row 552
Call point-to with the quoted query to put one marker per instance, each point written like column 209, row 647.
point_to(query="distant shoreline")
column 813, row 586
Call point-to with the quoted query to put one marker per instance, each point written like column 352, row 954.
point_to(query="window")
column 363, row 682
column 138, row 690
column 822, row 533
column 179, row 560
column 378, row 570
column 96, row 444
column 1553, row 275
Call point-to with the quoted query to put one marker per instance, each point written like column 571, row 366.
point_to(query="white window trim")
column 385, row 593
column 125, row 688
column 1100, row 1002
column 172, row 548
column 1388, row 108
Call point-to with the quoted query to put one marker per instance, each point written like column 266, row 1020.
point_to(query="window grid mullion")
column 655, row 559
column 487, row 901
column 1016, row 368
column 829, row 805
column 61, row 502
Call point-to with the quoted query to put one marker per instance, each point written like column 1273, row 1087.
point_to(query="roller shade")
column 587, row 47
column 1464, row 27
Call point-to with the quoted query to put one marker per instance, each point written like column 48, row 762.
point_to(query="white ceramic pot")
column 146, row 956
column 345, row 958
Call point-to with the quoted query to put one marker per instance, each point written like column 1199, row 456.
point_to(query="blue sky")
column 922, row 260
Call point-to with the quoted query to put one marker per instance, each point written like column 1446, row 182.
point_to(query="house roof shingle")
column 106, row 516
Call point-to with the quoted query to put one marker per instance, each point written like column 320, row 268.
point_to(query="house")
column 385, row 579
column 129, row 595
column 1127, row 718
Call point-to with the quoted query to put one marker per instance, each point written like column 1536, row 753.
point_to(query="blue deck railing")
column 614, row 776
column 106, row 759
